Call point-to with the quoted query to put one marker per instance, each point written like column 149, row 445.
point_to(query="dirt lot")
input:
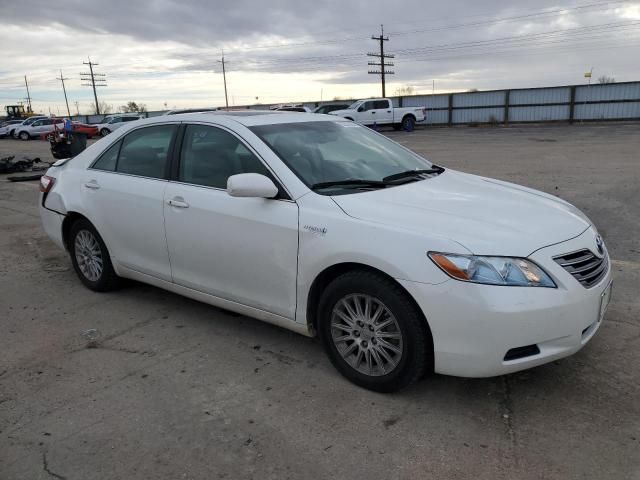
column 177, row 389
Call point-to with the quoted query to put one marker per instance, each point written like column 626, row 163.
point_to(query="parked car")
column 380, row 111
column 113, row 122
column 293, row 108
column 192, row 110
column 6, row 128
column 13, row 132
column 328, row 228
column 76, row 127
column 331, row 107
column 89, row 130
column 38, row 127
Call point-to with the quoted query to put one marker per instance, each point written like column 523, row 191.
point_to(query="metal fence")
column 571, row 103
column 614, row 101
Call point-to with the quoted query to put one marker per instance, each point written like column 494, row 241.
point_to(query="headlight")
column 492, row 270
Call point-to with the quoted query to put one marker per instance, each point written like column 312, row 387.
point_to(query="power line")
column 543, row 13
column 94, row 82
column 577, row 31
column 383, row 71
column 62, row 79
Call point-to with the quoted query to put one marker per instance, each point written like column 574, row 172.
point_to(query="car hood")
column 486, row 216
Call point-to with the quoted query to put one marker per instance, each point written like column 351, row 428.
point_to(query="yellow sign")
column 587, row 75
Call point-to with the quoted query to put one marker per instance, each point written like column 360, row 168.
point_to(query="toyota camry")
column 319, row 225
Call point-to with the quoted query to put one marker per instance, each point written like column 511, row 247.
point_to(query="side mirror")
column 251, row 185
column 361, row 108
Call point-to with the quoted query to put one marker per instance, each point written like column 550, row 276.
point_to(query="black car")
column 331, row 107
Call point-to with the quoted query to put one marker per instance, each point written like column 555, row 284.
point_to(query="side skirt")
column 252, row 312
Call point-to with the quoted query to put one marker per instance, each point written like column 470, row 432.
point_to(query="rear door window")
column 108, row 159
column 145, row 151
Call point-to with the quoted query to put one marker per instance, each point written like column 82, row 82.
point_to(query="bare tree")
column 133, row 107
column 606, row 79
column 104, row 108
column 403, row 91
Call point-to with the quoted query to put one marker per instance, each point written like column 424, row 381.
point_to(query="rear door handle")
column 93, row 185
column 178, row 202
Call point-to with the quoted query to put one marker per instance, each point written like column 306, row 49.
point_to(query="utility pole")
column 62, row 79
column 224, row 77
column 26, row 84
column 382, row 72
column 93, row 81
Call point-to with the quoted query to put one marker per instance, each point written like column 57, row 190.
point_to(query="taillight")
column 46, row 183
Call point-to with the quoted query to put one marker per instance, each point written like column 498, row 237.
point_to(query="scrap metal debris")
column 12, row 165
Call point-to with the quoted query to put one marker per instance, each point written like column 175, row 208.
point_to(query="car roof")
column 250, row 118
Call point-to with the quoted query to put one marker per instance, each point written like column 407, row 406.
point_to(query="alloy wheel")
column 366, row 334
column 88, row 255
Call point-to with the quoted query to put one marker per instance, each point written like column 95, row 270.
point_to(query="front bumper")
column 474, row 326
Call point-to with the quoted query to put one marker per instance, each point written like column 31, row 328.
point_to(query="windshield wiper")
column 355, row 183
column 412, row 173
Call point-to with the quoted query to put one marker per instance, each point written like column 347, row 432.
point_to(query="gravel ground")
column 176, row 389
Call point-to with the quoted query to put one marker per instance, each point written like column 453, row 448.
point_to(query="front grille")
column 584, row 265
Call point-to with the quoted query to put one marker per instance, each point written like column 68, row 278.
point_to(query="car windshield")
column 329, row 152
column 354, row 105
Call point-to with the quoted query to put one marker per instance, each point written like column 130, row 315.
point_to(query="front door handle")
column 93, row 185
column 178, row 202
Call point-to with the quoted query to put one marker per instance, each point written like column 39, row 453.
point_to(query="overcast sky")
column 161, row 52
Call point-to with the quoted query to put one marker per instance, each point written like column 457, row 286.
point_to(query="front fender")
column 329, row 237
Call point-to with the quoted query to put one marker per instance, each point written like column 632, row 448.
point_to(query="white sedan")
column 113, row 122
column 7, row 127
column 324, row 227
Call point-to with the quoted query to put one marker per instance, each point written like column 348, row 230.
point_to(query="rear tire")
column 408, row 123
column 384, row 344
column 90, row 257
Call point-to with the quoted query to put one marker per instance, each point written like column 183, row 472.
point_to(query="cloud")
column 168, row 50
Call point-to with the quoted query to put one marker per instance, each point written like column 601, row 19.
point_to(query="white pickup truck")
column 380, row 111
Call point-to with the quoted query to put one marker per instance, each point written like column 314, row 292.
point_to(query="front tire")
column 90, row 257
column 104, row 132
column 373, row 333
column 24, row 136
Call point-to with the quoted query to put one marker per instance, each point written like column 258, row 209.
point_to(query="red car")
column 76, row 127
